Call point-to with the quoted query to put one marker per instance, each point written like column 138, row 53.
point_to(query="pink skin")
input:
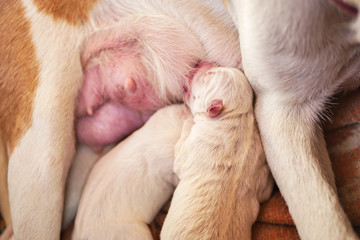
column 137, row 67
column 110, row 123
column 196, row 75
column 116, row 77
column 215, row 108
column 115, row 99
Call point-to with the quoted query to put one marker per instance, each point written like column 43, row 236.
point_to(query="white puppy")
column 45, row 48
column 296, row 55
column 81, row 166
column 129, row 185
column 220, row 162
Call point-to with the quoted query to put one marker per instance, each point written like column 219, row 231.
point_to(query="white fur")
column 83, row 161
column 39, row 164
column 220, row 163
column 129, row 185
column 296, row 55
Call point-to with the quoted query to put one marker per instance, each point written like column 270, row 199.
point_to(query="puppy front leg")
column 82, row 163
column 296, row 153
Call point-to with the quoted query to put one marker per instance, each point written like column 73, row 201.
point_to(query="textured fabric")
column 265, row 231
column 344, row 150
column 275, row 211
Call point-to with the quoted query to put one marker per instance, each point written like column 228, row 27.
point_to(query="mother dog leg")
column 296, row 54
column 40, row 154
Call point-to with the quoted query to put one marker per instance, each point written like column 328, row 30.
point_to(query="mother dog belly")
column 41, row 74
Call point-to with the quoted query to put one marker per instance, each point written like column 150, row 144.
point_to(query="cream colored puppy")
column 220, row 162
column 129, row 185
column 80, row 168
column 46, row 50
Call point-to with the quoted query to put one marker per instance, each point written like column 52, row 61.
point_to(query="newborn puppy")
column 220, row 162
column 128, row 186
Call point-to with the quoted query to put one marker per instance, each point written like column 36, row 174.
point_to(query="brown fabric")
column 265, row 231
column 344, row 151
column 156, row 225
column 346, row 111
column 275, row 210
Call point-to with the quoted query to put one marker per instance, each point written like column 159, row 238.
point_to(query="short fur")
column 40, row 80
column 220, row 163
column 296, row 55
column 128, row 186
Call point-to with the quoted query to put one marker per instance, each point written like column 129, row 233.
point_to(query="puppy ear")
column 214, row 108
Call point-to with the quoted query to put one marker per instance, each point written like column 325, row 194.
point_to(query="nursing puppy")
column 220, row 162
column 297, row 55
column 83, row 161
column 47, row 52
column 127, row 187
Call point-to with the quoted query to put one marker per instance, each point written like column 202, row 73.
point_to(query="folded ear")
column 214, row 108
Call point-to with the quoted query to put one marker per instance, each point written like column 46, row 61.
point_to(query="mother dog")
column 296, row 54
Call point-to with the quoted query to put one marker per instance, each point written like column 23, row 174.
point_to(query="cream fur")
column 83, row 161
column 220, row 163
column 39, row 164
column 128, row 186
column 296, row 54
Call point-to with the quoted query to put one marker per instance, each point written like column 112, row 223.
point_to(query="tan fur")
column 18, row 82
column 4, row 193
column 19, row 70
column 226, row 3
column 40, row 74
column 40, row 77
column 72, row 11
column 38, row 164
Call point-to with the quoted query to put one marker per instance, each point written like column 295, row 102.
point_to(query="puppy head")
column 220, row 92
